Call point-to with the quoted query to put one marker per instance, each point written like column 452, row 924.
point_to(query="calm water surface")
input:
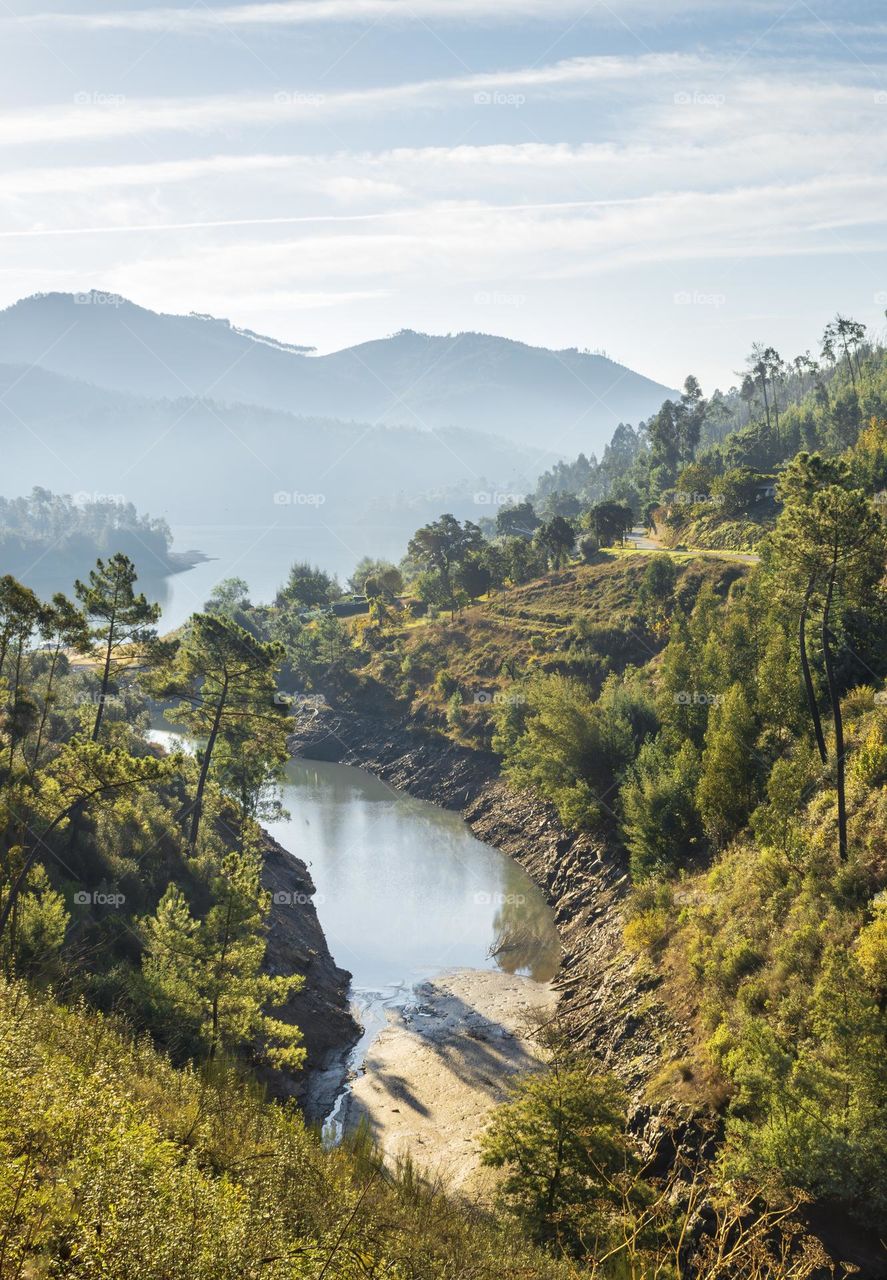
column 404, row 890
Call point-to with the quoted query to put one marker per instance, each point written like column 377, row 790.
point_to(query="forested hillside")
column 712, row 724
column 706, row 467
column 718, row 723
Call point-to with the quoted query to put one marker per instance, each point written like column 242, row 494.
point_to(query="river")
column 404, row 890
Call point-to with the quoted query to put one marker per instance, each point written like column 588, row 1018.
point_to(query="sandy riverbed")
column 433, row 1075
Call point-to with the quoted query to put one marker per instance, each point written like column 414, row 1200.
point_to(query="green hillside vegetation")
column 696, row 469
column 118, row 1164
column 724, row 726
column 718, row 727
column 112, row 848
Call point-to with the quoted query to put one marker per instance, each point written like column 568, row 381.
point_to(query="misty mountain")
column 195, row 461
column 558, row 402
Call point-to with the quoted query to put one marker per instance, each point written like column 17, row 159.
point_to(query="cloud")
column 539, row 238
column 676, row 92
column 202, row 18
column 98, row 116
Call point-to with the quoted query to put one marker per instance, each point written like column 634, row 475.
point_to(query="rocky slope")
column 296, row 944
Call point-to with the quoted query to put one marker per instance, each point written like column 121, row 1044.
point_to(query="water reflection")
column 522, row 943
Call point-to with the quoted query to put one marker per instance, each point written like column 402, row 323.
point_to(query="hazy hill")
column 197, row 461
column 557, row 401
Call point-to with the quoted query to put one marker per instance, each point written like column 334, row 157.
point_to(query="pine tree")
column 122, row 620
column 208, row 972
column 225, row 680
column 725, row 794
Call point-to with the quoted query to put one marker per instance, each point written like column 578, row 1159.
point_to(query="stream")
column 404, row 892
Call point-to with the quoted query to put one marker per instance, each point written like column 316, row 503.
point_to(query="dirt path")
column 433, row 1075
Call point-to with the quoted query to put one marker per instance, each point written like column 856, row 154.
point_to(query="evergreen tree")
column 562, row 1145
column 122, row 622
column 726, row 790
column 208, row 971
column 660, row 824
column 225, row 680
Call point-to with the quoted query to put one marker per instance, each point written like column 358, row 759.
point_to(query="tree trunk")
column 45, row 714
column 197, row 811
column 808, row 679
column 766, row 400
column 19, row 883
column 835, row 698
column 223, row 956
column 850, row 364
column 15, row 692
column 106, row 679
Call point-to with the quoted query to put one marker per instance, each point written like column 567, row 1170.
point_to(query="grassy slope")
column 581, row 618
column 114, row 1164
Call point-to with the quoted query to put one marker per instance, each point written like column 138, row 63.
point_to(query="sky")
column 666, row 182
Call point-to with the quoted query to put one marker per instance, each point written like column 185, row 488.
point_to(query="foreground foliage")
column 117, row 1165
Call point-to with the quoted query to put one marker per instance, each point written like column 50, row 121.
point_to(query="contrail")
column 36, row 233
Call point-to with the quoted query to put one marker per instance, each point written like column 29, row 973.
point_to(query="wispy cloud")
column 98, row 116
column 205, row 17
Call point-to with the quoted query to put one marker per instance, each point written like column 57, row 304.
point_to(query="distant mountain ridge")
column 558, row 402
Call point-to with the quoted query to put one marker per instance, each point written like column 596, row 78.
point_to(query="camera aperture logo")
column 498, row 98
column 493, row 498
column 697, row 698
column 283, row 98
column 300, row 701
column 684, row 498
column 485, row 899
column 684, row 98
column 498, row 698
column 697, row 298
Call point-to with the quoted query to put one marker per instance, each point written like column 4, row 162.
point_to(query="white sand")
column 433, row 1075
